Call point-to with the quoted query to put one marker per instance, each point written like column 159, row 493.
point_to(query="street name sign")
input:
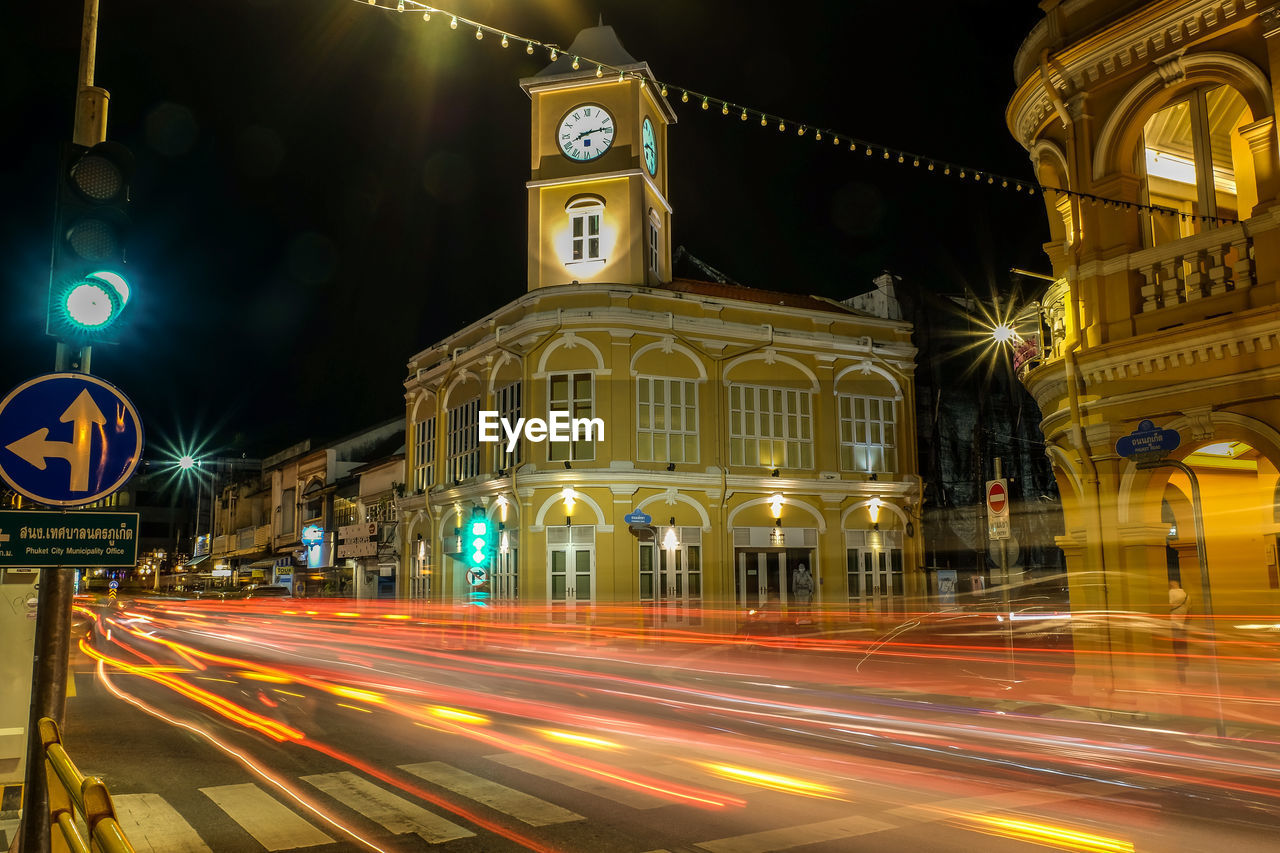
column 68, row 539
column 1148, row 442
column 637, row 517
column 68, row 439
column 997, row 509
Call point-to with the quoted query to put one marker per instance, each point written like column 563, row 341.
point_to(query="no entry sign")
column 997, row 497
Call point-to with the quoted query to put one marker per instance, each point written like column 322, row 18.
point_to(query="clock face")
column 650, row 147
column 586, row 132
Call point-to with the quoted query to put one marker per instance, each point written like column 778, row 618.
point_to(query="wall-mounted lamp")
column 873, row 510
column 671, row 466
column 457, row 511
column 569, row 496
column 670, row 541
column 502, row 507
column 422, row 549
column 775, row 505
column 774, row 472
column 567, row 466
column 503, row 545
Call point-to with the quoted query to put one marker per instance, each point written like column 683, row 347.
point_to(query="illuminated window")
column 770, row 427
column 666, row 420
column 464, row 441
column 585, row 213
column 1196, row 163
column 867, row 426
column 572, row 393
column 654, row 255
column 507, row 400
column 345, row 512
column 424, row 454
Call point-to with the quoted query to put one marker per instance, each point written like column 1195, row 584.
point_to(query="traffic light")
column 88, row 281
column 478, row 540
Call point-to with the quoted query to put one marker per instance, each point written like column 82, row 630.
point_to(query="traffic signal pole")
column 57, row 586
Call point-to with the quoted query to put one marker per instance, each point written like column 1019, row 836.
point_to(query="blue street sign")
column 114, row 585
column 68, row 439
column 1147, row 440
column 637, row 517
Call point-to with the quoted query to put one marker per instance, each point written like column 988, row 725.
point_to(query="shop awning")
column 197, row 561
column 260, row 564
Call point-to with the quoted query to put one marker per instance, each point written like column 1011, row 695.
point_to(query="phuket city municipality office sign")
column 48, row 539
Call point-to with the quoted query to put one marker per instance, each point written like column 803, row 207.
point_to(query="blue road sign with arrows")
column 68, row 439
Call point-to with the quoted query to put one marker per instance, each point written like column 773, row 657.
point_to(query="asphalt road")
column 284, row 725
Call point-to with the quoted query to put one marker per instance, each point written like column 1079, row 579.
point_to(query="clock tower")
column 598, row 209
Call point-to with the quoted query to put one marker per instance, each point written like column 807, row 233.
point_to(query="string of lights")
column 765, row 119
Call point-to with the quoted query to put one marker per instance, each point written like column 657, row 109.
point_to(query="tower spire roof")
column 600, row 43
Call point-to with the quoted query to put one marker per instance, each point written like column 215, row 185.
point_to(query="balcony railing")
column 1217, row 261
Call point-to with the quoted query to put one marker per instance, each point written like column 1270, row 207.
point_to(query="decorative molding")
column 1270, row 19
column 1171, row 68
column 1201, row 420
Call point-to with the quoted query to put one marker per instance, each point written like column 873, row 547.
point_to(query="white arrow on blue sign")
column 1147, row 440
column 68, row 439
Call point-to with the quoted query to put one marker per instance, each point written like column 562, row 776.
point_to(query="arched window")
column 1195, row 163
column 585, row 213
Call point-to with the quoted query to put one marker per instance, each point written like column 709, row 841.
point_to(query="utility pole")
column 57, row 586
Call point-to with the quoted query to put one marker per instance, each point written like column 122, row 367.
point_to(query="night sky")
column 324, row 188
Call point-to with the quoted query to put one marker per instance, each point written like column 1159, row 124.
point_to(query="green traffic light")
column 91, row 304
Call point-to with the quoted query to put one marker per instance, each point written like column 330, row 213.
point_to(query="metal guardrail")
column 77, row 800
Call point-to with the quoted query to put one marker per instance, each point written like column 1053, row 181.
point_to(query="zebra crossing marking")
column 790, row 837
column 586, row 784
column 517, row 804
column 272, row 824
column 394, row 813
column 154, row 826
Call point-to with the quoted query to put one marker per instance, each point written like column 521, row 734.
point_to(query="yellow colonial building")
column 1152, row 129
column 742, row 433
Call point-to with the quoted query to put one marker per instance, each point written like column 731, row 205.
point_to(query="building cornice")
column 1141, row 39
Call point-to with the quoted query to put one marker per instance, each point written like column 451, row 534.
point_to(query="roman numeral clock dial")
column 585, row 132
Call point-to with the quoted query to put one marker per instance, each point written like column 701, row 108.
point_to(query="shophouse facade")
column 739, row 433
column 1152, row 131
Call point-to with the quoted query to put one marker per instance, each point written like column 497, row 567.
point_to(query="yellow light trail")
column 1052, row 836
column 773, row 781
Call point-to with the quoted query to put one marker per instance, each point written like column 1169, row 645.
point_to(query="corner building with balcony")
column 1152, row 130
column 757, row 430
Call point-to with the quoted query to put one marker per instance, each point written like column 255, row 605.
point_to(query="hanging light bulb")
column 528, row 48
column 782, row 125
column 1004, row 184
column 946, row 170
column 764, row 122
column 684, row 97
column 554, row 54
column 724, row 108
column 575, row 63
column 744, row 114
column 453, row 24
column 835, row 140
column 916, row 162
column 817, row 136
column 400, row 6
column 886, row 153
column 479, row 34
column 599, row 70
column 801, row 131
column 705, row 103
column 504, row 40
column 901, row 158
column 853, row 146
column 426, row 16
column 622, row 75
column 867, row 151
column 930, row 167
column 664, row 90
column 962, row 173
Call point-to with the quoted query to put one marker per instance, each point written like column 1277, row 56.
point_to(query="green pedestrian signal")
column 478, row 541
column 88, row 281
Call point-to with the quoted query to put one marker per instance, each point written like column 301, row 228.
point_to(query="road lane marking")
column 797, row 836
column 580, row 781
column 154, row 826
column 516, row 804
column 395, row 814
column 273, row 824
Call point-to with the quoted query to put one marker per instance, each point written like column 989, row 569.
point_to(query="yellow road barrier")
column 77, row 800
